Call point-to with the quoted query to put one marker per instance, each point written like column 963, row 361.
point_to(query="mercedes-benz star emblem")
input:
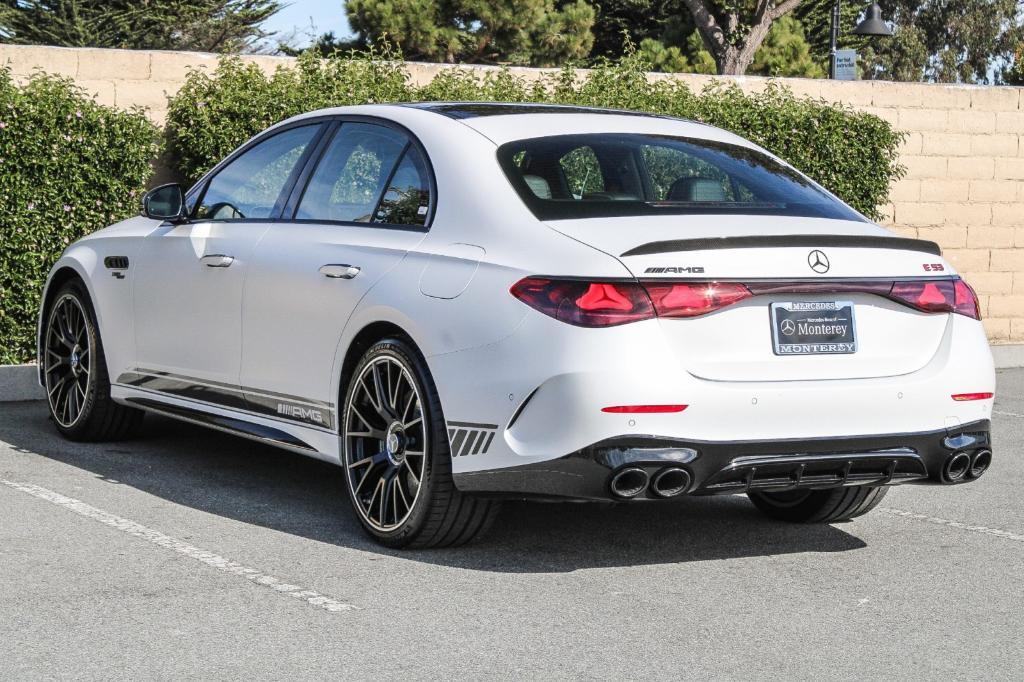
column 818, row 261
column 788, row 327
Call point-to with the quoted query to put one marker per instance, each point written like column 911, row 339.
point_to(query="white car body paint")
column 271, row 324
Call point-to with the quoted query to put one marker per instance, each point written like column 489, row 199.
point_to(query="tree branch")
column 784, row 8
column 710, row 30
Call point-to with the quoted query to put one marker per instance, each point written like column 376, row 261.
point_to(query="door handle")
column 217, row 260
column 339, row 271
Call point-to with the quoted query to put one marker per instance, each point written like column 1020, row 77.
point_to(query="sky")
column 326, row 15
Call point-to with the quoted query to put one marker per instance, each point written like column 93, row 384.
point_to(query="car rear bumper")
column 723, row 467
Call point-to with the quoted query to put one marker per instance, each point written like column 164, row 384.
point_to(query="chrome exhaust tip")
column 980, row 462
column 629, row 482
column 956, row 467
column 670, row 481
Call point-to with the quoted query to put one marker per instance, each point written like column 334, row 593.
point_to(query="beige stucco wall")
column 964, row 152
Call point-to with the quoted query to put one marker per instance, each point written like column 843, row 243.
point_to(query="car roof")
column 503, row 122
column 464, row 110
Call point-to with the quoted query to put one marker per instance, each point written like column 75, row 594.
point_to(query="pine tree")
column 533, row 32
column 204, row 25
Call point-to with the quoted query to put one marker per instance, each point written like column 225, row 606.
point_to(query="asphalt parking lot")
column 192, row 553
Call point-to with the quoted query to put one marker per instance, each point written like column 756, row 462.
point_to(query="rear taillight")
column 937, row 296
column 965, row 301
column 690, row 299
column 606, row 304
column 586, row 304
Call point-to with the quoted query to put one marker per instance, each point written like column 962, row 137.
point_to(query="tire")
column 403, row 499
column 75, row 372
column 819, row 506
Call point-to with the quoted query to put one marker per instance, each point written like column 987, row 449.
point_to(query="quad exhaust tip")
column 629, row 482
column 956, row 467
column 670, row 481
column 980, row 462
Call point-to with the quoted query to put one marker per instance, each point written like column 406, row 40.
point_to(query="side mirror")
column 166, row 202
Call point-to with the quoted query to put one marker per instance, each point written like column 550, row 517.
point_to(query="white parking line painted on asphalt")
column 1005, row 534
column 161, row 540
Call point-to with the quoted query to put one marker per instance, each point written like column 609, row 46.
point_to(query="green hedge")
column 68, row 166
column 851, row 153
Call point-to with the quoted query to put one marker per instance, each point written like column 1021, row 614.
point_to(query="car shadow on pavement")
column 256, row 484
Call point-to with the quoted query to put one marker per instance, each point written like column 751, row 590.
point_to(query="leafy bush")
column 856, row 155
column 68, row 166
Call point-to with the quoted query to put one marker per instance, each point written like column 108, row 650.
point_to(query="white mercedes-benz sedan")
column 458, row 303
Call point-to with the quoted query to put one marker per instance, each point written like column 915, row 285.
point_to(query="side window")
column 582, row 172
column 407, row 199
column 250, row 186
column 678, row 176
column 350, row 178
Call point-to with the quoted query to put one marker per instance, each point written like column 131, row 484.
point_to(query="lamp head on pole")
column 873, row 25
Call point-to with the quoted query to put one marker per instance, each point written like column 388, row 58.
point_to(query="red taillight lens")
column 965, row 300
column 605, row 304
column 930, row 296
column 586, row 304
column 938, row 296
column 690, row 299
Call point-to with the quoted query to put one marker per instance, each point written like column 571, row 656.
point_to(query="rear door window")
column 369, row 173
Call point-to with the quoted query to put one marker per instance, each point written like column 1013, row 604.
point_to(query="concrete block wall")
column 964, row 151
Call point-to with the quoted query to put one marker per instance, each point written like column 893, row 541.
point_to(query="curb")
column 1008, row 356
column 20, row 382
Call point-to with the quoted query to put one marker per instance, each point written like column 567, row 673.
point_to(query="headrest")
column 538, row 185
column 696, row 189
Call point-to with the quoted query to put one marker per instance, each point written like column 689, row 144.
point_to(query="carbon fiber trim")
column 784, row 241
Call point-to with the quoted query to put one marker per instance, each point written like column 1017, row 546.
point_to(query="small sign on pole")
column 846, row 65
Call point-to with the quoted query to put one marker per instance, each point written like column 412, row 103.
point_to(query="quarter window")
column 250, row 186
column 407, row 200
column 369, row 173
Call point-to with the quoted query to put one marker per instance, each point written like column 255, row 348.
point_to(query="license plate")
column 813, row 327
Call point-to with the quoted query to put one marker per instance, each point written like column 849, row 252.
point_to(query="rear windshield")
column 606, row 175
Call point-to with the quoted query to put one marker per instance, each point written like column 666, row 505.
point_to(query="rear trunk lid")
column 824, row 275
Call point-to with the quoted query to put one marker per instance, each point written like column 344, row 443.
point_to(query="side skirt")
column 231, row 425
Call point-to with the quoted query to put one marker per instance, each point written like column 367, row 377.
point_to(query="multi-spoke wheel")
column 396, row 454
column 386, row 443
column 75, row 373
column 67, row 360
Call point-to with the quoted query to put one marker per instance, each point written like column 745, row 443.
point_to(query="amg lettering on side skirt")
column 306, row 414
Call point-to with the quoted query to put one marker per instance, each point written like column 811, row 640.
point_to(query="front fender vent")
column 116, row 262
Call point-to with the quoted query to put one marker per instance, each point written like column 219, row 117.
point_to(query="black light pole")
column 873, row 25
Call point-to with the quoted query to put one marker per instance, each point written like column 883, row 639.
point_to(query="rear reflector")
column 960, row 397
column 643, row 409
column 606, row 304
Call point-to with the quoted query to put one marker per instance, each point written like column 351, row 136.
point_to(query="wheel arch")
column 64, row 271
column 368, row 335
